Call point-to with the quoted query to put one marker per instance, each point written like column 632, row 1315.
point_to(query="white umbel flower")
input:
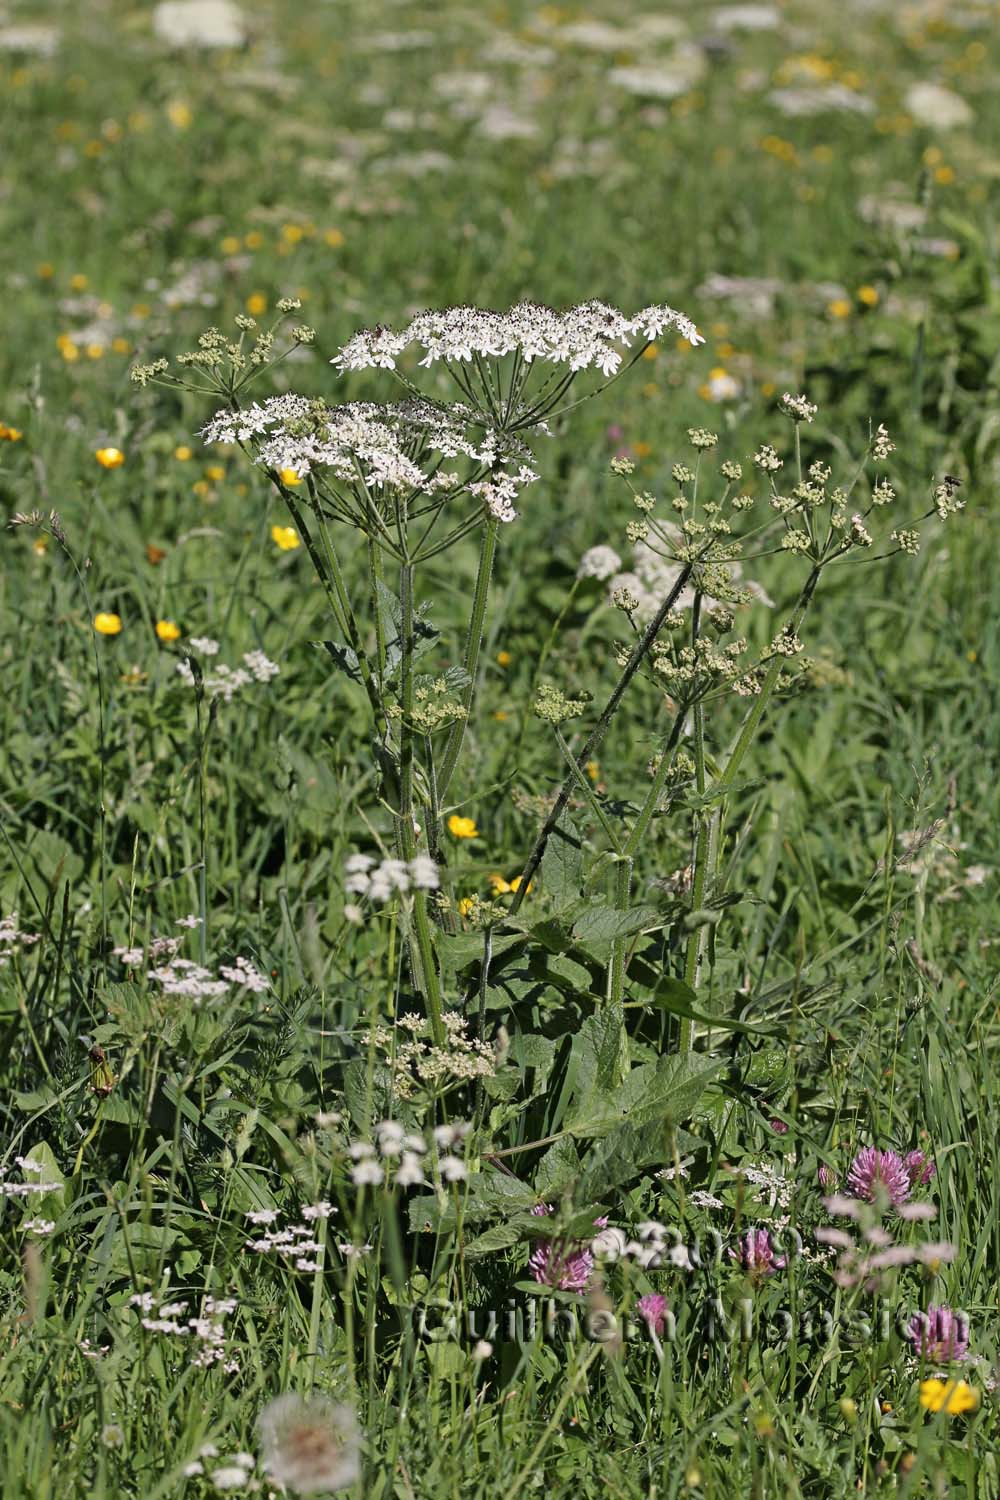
column 590, row 335
column 199, row 23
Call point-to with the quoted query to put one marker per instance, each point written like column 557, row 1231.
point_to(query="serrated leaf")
column 625, row 1152
column 562, row 864
column 344, row 659
column 557, row 1168
column 602, row 924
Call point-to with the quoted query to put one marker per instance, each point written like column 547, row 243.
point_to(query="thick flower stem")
column 627, row 853
column 616, row 969
column 640, row 651
column 703, row 862
column 473, row 646
column 422, row 958
column 709, row 838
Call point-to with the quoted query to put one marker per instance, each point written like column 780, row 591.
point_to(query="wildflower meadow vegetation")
column 498, row 860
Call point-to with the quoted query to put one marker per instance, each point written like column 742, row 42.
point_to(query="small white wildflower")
column 599, row 563
column 261, row 1215
column 881, row 444
column 799, row 408
column 453, row 1168
column 367, row 1173
column 766, row 459
column 410, row 1171
column 229, row 1477
column 424, row 873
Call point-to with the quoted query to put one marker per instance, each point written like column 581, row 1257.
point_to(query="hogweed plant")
column 414, row 478
column 417, row 477
column 557, row 1157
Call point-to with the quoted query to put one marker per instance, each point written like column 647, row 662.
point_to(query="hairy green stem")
column 639, row 653
column 709, row 838
column 421, row 944
column 473, row 646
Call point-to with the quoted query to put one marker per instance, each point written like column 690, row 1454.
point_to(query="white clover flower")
column 229, row 1477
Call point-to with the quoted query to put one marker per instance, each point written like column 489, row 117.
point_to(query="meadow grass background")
column 372, row 159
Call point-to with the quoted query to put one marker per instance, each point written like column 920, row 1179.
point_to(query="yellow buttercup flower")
column 465, row 905
column 216, row 473
column 182, row 453
column 256, row 304
column 868, row 295
column 502, row 887
column 106, row 623
column 334, row 238
column 9, row 434
column 179, row 114
column 504, row 658
column 462, row 828
column 289, row 477
column 952, row 1396
column 229, row 245
column 166, row 630
column 78, row 282
column 286, row 537
column 109, row 458
column 839, row 308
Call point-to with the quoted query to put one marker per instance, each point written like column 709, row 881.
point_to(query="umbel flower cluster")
column 591, row 335
column 381, row 467
column 407, row 449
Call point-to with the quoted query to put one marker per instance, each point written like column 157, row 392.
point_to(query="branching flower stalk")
column 416, row 478
column 695, row 563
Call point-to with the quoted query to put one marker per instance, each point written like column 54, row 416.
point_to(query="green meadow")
column 498, row 859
